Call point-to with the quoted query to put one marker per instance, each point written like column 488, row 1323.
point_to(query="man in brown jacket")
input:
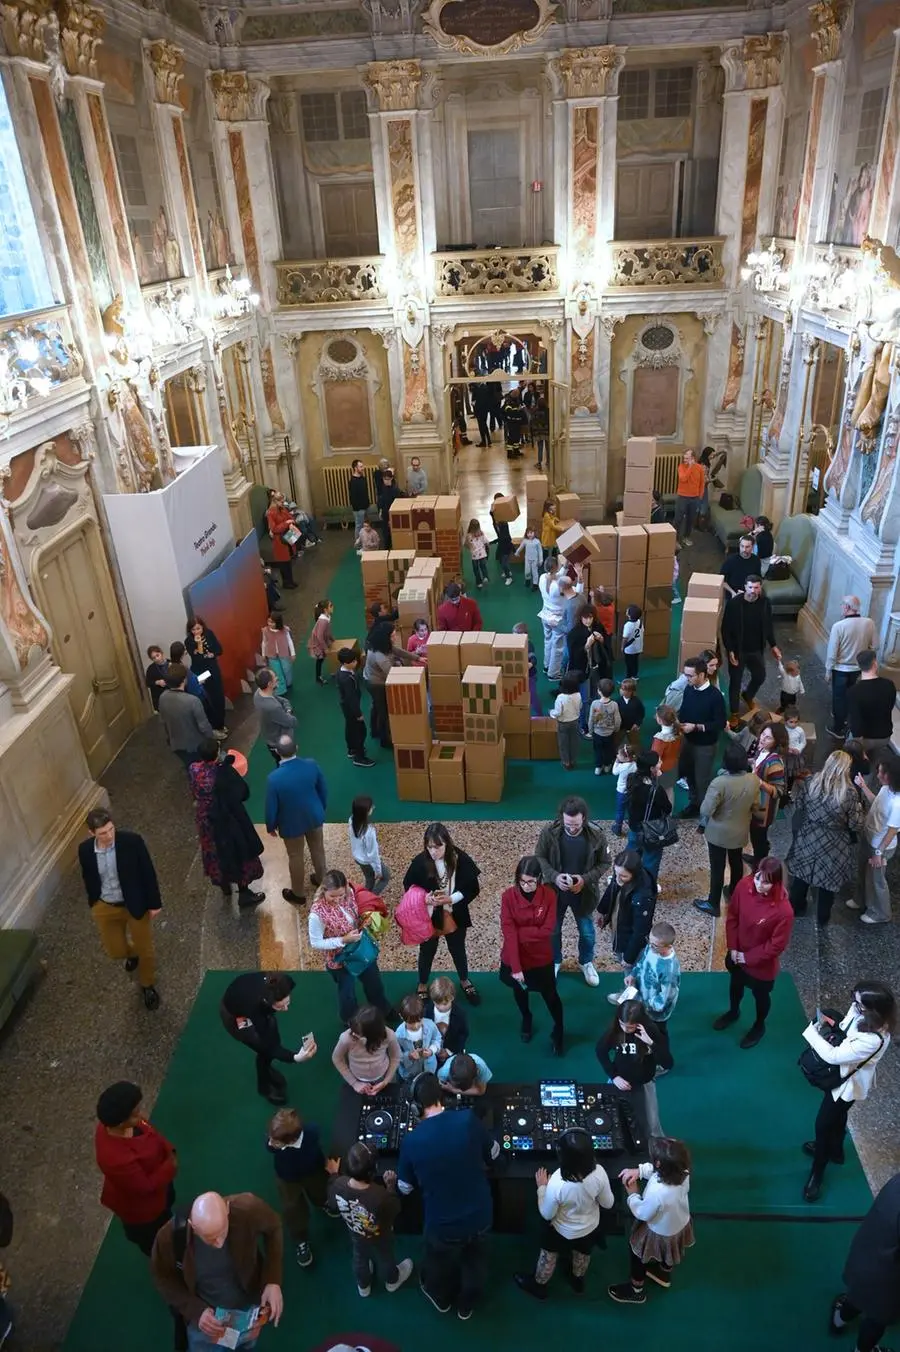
column 232, row 1259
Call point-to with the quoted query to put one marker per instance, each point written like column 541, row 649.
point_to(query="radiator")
column 334, row 487
column 665, row 472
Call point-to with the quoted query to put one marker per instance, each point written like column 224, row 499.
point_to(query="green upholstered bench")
column 18, row 965
column 796, row 536
column 726, row 521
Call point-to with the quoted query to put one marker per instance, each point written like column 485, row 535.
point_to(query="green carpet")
column 532, row 787
column 744, row 1115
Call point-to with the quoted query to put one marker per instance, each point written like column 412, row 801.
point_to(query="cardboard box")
column 637, row 506
column 659, row 573
column 447, row 512
column 446, row 770
column 656, row 645
column 603, row 574
column 481, row 788
column 576, row 544
column 484, row 687
column 639, row 479
column 399, row 563
column 537, row 488
column 709, row 586
column 657, row 599
column 658, row 622
column 416, row 601
column 374, row 567
column 632, row 544
column 400, row 515
column 640, row 451
column 411, row 766
column 407, row 702
column 443, row 653
column 544, row 744
column 477, row 650
column 700, row 620
column 445, row 688
column 568, row 506
column 485, row 758
column 518, row 745
column 331, row 661
column 605, row 541
column 661, row 540
column 448, row 722
column 631, row 578
column 505, row 509
column 510, row 653
column 516, row 718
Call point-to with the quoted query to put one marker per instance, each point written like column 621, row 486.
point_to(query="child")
column 533, row 700
column 351, row 708
column 476, row 544
column 667, row 745
column 550, row 528
column 300, row 1175
column 534, row 558
column 763, row 543
column 630, row 1051
column 569, row 1202
column 465, row 1074
column 631, row 710
column 604, row 721
column 368, row 1209
column 655, row 980
column 418, row 642
column 623, row 768
column 179, row 655
column 632, row 640
column 676, row 573
column 567, row 711
column 419, row 1039
column 796, row 746
column 504, row 545
column 664, row 1229
column 604, row 610
column 368, row 538
column 449, row 1018
column 277, row 652
column 367, row 1053
column 790, row 683
column 364, row 846
column 155, row 676
column 321, row 638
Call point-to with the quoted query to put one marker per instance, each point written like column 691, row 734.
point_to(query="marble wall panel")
column 190, row 201
column 403, row 192
column 735, row 368
column 583, row 398
column 756, row 145
column 809, row 163
column 585, row 136
column 245, row 207
column 115, row 205
column 70, row 131
column 416, row 404
column 270, row 389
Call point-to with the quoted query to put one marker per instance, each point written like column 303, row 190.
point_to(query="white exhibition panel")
column 165, row 541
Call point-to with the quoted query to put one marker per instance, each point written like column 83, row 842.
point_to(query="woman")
column 229, row 842
column 769, row 768
column 587, row 655
column 382, row 655
column 367, row 1053
column 278, row 521
column 646, row 800
column 249, row 1013
column 629, row 901
column 631, row 1051
column 713, row 662
column 867, row 1027
column 205, row 650
column 138, row 1165
column 827, row 822
column 277, row 652
column 527, row 921
column 757, row 932
column 335, row 924
column 450, row 879
column 725, row 814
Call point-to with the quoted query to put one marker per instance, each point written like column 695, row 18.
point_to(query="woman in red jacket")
column 758, row 929
column 138, row 1165
column 527, row 921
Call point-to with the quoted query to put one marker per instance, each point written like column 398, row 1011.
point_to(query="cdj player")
column 383, row 1122
column 534, row 1119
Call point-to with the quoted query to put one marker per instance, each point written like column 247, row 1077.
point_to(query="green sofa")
column 726, row 522
column 795, row 536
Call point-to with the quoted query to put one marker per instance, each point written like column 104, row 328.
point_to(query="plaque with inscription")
column 654, row 401
column 495, row 26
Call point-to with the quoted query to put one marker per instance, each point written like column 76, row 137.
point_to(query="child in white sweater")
column 624, row 767
column 476, row 543
column 663, row 1216
column 533, row 550
column 567, row 711
column 364, row 845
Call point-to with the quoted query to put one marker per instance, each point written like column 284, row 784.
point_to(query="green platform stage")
column 761, row 1275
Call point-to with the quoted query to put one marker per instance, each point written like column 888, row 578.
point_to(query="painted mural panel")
column 87, row 207
column 869, row 61
column 198, row 133
column 793, row 136
column 654, row 401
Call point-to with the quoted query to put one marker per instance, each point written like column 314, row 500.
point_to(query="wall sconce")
column 234, row 297
column 764, row 270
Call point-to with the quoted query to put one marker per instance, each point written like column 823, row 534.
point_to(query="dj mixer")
column 534, row 1117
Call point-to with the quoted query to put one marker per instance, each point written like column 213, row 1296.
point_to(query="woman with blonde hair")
column 827, row 823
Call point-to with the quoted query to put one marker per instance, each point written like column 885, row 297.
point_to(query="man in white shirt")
column 879, row 842
column 852, row 633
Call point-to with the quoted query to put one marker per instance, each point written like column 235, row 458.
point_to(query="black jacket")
column 628, row 1056
column 733, row 626
column 348, row 694
column 421, row 874
column 137, row 876
column 548, row 851
column 633, row 904
column 234, row 835
column 872, row 1271
column 633, row 712
column 640, row 794
column 359, row 493
column 247, row 998
column 386, row 498
column 504, row 539
column 457, row 1034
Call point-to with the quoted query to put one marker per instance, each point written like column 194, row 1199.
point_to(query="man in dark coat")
column 872, row 1273
column 388, row 494
column 123, row 894
column 574, row 856
column 747, row 631
column 249, row 1013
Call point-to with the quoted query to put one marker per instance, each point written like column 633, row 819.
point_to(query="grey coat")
column 823, row 851
column 727, row 807
column 184, row 720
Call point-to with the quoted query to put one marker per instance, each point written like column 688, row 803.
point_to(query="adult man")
column 249, row 1013
column 515, row 421
column 872, row 1291
column 276, row 717
column 387, row 496
column 458, row 613
column 296, row 799
column 574, row 855
column 852, row 633
column 445, row 1157
column 359, row 495
column 691, row 478
column 702, row 717
column 416, row 478
column 229, row 1257
column 738, row 567
column 183, row 716
column 123, row 894
column 347, row 682
column 746, row 632
column 870, row 706
column 879, row 841
column 138, row 1165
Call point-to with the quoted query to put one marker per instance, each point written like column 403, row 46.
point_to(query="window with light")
column 24, row 283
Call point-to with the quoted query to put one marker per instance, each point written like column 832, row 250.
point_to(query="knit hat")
column 116, row 1104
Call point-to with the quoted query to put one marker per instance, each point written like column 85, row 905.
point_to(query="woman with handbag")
column 336, row 929
column 827, row 823
column 449, row 877
column 284, row 535
column 757, row 931
column 649, row 810
column 527, row 923
column 769, row 768
column 846, row 1055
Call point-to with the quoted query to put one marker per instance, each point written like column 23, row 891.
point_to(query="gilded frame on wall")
column 486, row 12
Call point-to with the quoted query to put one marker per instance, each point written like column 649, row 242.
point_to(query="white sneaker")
column 870, row 920
column 597, row 771
column 616, row 998
column 682, row 784
column 507, row 582
column 589, row 973
column 404, row 1268
column 366, row 1290
column 556, row 967
column 853, row 904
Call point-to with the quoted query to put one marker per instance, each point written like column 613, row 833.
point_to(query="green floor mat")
column 532, row 787
column 744, row 1115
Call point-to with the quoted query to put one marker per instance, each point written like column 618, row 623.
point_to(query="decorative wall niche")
column 345, row 383
column 655, row 374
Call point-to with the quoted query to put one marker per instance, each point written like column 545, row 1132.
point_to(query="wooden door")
column 645, row 199
column 75, row 593
column 349, row 220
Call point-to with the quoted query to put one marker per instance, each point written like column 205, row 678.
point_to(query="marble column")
column 884, row 219
column 831, row 24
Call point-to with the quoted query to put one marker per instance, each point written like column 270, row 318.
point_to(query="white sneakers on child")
column 404, row 1268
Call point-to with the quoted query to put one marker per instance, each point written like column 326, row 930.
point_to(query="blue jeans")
column 587, row 934
column 621, row 801
column 554, row 650
column 841, row 684
column 652, row 858
column 373, row 989
column 198, row 1339
column 373, row 885
column 359, row 520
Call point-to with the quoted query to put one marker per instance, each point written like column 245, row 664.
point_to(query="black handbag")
column 657, row 832
column 822, row 1074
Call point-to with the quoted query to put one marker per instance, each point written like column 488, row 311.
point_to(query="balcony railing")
column 331, row 282
column 667, row 262
column 496, row 272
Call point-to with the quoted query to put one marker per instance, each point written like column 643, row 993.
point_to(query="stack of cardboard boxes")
column 577, row 545
column 631, row 568
column 400, row 561
column 417, row 601
column 537, row 491
column 510, row 654
column 604, row 563
column 701, row 614
column 431, row 527
column 485, row 750
column 640, row 459
column 661, row 540
column 376, row 587
column 445, row 684
column 407, row 702
column 447, row 536
column 446, row 768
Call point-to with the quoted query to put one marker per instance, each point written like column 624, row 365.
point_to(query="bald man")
column 231, row 1262
column 853, row 633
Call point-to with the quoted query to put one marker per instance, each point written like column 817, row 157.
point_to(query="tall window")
column 871, row 116
column 663, row 91
column 24, row 282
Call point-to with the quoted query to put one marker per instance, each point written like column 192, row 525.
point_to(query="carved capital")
column 239, row 97
column 283, row 113
column 81, row 28
column 590, row 72
column 827, row 22
column 394, row 84
column 754, row 62
column 222, row 25
column 291, row 343
column 709, row 319
column 84, row 438
column 166, row 63
column 25, row 24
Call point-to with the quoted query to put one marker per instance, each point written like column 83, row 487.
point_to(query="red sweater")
column 137, row 1171
column 527, row 927
column 462, row 619
column 759, row 927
